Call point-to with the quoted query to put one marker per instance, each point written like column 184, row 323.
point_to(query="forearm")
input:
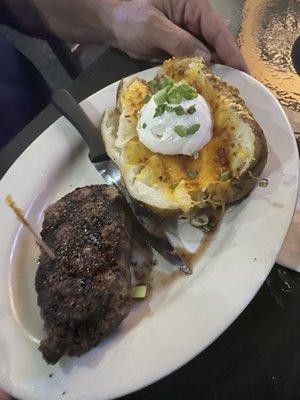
column 84, row 21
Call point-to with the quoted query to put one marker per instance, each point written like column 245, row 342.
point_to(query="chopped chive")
column 169, row 108
column 225, row 176
column 180, row 130
column 173, row 185
column 191, row 109
column 159, row 110
column 153, row 84
column 139, row 292
column 202, row 221
column 199, row 220
column 195, row 155
column 174, row 97
column 183, row 89
column 263, row 182
column 160, row 97
column 168, row 88
column 166, row 81
column 147, row 98
column 190, row 96
column 191, row 173
column 144, row 125
column 192, row 129
column 179, row 110
column 187, row 92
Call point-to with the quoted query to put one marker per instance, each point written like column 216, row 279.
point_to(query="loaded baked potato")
column 213, row 159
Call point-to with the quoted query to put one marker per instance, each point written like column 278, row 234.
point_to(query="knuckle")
column 148, row 18
column 181, row 44
column 177, row 48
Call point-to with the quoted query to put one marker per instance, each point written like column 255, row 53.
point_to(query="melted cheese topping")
column 172, row 172
column 182, row 178
column 132, row 99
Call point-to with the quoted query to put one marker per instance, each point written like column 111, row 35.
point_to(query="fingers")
column 156, row 25
column 4, row 396
column 216, row 33
column 201, row 19
column 176, row 41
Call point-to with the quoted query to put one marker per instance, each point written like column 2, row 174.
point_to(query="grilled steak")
column 85, row 292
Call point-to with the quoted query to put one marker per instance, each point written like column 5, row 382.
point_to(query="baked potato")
column 226, row 168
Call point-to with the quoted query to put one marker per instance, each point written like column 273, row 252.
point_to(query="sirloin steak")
column 85, row 292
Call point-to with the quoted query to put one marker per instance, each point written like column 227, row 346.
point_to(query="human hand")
column 150, row 28
column 4, row 396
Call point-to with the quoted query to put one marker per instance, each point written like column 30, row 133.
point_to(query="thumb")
column 177, row 41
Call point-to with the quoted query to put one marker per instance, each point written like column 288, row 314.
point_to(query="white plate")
column 182, row 317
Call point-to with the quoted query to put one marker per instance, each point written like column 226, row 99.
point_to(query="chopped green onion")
column 144, row 125
column 191, row 173
column 166, row 81
column 191, row 109
column 174, row 97
column 187, row 92
column 191, row 130
column 139, row 292
column 153, row 84
column 202, row 221
column 159, row 110
column 160, row 97
column 147, row 98
column 198, row 220
column 180, row 130
column 189, row 96
column 263, row 182
column 168, row 88
column 174, row 185
column 225, row 176
column 179, row 110
column 195, row 155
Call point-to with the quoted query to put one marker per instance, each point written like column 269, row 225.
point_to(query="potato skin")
column 218, row 192
column 241, row 187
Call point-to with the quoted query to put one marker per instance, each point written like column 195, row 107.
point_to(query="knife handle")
column 65, row 103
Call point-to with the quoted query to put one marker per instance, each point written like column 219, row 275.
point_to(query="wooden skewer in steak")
column 85, row 292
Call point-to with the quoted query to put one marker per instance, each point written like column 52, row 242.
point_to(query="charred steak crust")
column 85, row 292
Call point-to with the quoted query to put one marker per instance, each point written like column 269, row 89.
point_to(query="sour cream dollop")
column 159, row 135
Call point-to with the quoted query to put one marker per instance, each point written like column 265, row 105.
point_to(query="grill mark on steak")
column 85, row 292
